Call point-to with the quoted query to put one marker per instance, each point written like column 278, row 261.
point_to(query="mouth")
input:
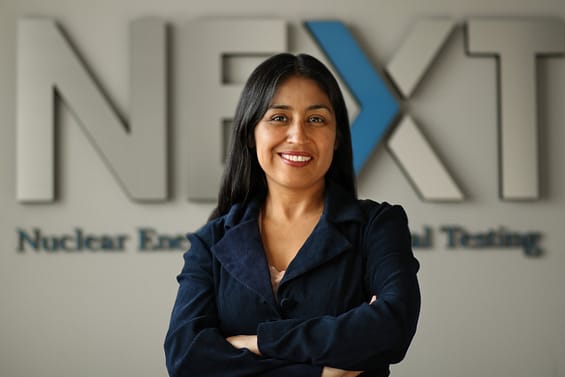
column 296, row 158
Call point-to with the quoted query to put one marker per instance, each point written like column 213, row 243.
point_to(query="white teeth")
column 296, row 158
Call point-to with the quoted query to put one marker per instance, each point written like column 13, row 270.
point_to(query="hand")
column 334, row 372
column 245, row 341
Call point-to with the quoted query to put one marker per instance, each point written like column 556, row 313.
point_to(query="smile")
column 295, row 157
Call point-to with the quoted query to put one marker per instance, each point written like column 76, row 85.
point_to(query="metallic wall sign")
column 211, row 101
column 517, row 44
column 50, row 69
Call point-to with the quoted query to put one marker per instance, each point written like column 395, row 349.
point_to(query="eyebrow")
column 311, row 107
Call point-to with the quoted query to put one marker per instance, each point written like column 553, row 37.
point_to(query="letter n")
column 49, row 70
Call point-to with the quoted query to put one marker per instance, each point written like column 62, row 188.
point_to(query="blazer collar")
column 340, row 206
column 241, row 253
column 327, row 240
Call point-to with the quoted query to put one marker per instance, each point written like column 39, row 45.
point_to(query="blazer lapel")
column 324, row 244
column 241, row 253
column 327, row 240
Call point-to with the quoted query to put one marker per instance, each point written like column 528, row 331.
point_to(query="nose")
column 297, row 133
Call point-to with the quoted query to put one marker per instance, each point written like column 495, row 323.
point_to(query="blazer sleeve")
column 194, row 345
column 370, row 336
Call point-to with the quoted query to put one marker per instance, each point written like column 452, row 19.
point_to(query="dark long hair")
column 243, row 177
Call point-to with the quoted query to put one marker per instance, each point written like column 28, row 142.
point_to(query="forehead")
column 300, row 90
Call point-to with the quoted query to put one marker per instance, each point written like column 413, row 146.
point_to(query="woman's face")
column 295, row 138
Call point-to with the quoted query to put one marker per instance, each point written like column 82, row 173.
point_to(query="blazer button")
column 287, row 304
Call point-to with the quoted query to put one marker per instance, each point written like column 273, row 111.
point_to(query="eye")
column 316, row 119
column 279, row 118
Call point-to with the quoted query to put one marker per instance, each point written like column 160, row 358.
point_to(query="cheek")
column 261, row 157
column 262, row 149
column 266, row 141
column 330, row 158
column 330, row 145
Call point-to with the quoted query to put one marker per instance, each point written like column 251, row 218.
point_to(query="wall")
column 489, row 312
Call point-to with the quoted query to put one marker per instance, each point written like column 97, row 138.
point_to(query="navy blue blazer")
column 322, row 317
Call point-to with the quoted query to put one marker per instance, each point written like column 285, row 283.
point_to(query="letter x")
column 379, row 108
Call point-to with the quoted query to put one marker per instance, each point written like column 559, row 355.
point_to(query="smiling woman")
column 293, row 275
column 295, row 139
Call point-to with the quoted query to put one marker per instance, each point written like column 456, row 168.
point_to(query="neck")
column 291, row 204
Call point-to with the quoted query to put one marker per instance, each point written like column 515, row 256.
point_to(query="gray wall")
column 485, row 312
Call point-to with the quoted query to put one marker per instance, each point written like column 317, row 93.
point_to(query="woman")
column 292, row 275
